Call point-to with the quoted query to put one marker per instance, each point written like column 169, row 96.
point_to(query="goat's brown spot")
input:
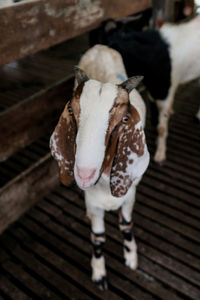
column 75, row 102
column 62, row 149
column 65, row 115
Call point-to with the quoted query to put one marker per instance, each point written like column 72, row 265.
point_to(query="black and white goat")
column 166, row 58
column 99, row 141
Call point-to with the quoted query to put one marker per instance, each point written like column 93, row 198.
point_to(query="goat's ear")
column 62, row 145
column 131, row 83
column 131, row 155
column 80, row 75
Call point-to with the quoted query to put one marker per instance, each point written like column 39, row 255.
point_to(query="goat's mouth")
column 85, row 177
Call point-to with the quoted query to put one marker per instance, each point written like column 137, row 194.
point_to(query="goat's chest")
column 101, row 197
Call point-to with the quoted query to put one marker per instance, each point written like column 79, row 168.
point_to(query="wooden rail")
column 26, row 28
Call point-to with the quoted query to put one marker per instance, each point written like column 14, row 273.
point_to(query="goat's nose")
column 85, row 173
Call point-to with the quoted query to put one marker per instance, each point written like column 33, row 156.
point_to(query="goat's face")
column 100, row 131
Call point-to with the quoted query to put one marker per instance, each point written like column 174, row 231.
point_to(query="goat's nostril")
column 85, row 173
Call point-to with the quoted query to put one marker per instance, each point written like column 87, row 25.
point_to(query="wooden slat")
column 155, row 241
column 9, row 289
column 176, row 142
column 26, row 189
column 30, row 285
column 174, row 189
column 161, row 197
column 178, row 159
column 169, row 222
column 36, row 25
column 167, row 234
column 178, row 175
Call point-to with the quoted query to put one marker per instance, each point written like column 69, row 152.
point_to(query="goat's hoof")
column 131, row 260
column 102, row 283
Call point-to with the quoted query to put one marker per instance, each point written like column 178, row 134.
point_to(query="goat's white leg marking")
column 165, row 110
column 96, row 216
column 125, row 225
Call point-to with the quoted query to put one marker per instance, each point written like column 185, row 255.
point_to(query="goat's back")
column 103, row 64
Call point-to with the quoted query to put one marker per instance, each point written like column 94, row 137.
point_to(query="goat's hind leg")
column 165, row 110
column 96, row 216
column 126, row 226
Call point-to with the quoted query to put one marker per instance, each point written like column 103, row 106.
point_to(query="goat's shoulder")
column 100, row 195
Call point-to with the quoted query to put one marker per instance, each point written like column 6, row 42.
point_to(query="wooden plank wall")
column 26, row 28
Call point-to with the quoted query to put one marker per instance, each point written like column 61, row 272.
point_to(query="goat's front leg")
column 126, row 226
column 96, row 216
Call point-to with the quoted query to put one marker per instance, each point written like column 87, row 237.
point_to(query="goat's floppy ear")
column 131, row 83
column 62, row 145
column 80, row 75
column 131, row 155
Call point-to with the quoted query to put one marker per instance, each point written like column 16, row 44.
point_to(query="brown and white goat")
column 99, row 141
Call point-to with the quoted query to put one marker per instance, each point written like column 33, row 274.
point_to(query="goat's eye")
column 70, row 110
column 125, row 119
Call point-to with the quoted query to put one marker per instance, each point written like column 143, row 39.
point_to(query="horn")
column 131, row 83
column 80, row 75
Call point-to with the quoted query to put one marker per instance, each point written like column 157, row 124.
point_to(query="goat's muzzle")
column 85, row 177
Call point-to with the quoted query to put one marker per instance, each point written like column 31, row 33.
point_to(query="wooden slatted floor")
column 46, row 254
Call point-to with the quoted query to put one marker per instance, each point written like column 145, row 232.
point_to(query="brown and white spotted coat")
column 99, row 141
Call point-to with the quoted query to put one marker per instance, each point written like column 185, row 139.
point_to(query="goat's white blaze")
column 95, row 103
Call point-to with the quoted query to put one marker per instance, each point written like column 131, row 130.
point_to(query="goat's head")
column 99, row 132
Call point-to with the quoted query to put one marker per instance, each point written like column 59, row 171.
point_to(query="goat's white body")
column 105, row 64
column 99, row 196
column 184, row 49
